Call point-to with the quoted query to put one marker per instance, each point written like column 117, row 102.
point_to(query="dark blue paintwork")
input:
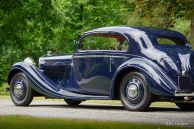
column 93, row 74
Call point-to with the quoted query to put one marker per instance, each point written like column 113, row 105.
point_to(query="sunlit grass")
column 4, row 97
column 117, row 102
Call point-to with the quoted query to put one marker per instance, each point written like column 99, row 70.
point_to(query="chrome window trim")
column 99, row 56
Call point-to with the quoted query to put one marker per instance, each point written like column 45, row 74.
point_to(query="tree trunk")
column 192, row 29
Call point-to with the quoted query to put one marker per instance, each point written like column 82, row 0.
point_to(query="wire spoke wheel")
column 134, row 92
column 20, row 90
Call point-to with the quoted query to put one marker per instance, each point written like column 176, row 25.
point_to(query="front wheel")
column 134, row 92
column 20, row 90
column 71, row 102
column 186, row 106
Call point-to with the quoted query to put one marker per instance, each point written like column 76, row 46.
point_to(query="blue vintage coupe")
column 136, row 65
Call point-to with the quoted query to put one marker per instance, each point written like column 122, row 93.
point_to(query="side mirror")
column 50, row 53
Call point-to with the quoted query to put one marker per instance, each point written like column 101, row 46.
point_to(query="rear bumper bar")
column 184, row 94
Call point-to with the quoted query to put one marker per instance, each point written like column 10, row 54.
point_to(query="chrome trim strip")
column 56, row 57
column 184, row 94
column 118, row 51
column 98, row 56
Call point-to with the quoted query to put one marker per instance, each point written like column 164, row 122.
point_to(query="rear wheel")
column 71, row 102
column 134, row 92
column 20, row 90
column 186, row 106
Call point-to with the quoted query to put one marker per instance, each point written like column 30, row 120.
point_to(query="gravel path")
column 58, row 109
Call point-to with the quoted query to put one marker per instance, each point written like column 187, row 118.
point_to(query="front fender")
column 159, row 81
column 42, row 84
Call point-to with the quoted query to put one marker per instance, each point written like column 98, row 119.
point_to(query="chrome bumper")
column 184, row 94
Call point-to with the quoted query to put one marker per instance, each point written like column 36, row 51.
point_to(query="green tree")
column 164, row 13
column 32, row 27
column 81, row 15
column 26, row 28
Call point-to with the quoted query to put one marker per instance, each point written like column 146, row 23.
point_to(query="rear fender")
column 159, row 82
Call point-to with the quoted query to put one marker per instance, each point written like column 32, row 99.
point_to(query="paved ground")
column 48, row 108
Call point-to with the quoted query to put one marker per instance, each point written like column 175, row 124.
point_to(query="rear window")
column 170, row 41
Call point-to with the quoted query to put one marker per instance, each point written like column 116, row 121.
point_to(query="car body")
column 111, row 63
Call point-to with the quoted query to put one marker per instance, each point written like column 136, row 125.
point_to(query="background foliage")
column 33, row 27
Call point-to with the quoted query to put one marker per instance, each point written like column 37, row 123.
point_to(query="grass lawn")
column 26, row 122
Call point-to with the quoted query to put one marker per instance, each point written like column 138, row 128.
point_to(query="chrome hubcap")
column 18, row 90
column 133, row 88
column 132, row 91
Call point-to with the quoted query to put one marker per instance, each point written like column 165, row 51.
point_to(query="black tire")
column 186, row 106
column 71, row 102
column 20, row 90
column 134, row 92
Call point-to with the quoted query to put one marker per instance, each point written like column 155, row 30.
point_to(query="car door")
column 95, row 63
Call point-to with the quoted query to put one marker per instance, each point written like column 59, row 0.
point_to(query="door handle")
column 110, row 64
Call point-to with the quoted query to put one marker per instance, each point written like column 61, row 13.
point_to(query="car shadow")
column 100, row 107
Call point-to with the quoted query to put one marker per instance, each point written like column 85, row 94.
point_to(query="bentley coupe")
column 136, row 65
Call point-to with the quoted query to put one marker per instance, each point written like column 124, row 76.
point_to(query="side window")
column 104, row 42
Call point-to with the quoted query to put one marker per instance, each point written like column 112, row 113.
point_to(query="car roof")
column 149, row 30
column 119, row 29
column 125, row 29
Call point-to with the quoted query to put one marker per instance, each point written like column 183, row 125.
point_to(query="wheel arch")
column 158, row 80
column 12, row 73
column 16, row 71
